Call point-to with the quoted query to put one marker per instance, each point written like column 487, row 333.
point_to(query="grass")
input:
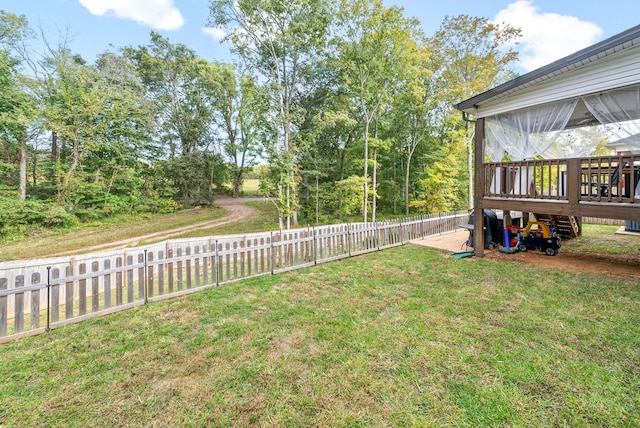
column 403, row 337
column 251, row 187
column 36, row 243
column 49, row 243
column 45, row 243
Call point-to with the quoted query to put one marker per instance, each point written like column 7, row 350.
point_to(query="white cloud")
column 546, row 37
column 216, row 33
column 157, row 14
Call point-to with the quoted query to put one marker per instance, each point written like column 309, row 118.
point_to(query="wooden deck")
column 604, row 187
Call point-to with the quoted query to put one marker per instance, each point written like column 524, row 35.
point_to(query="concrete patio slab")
column 453, row 241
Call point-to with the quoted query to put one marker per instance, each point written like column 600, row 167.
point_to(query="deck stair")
column 565, row 226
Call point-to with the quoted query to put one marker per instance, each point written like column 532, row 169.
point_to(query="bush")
column 15, row 214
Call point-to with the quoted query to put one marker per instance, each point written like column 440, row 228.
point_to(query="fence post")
column 216, row 264
column 4, row 313
column 149, row 272
column 82, row 289
column 95, row 286
column 18, row 320
column 315, row 246
column 349, row 239
column 69, row 286
column 144, row 279
column 273, row 259
column 48, row 298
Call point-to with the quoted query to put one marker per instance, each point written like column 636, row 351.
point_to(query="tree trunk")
column 54, row 146
column 365, row 174
column 34, row 171
column 237, row 182
column 237, row 163
column 317, row 199
column 293, row 200
column 412, row 150
column 374, row 184
column 395, row 184
column 343, row 161
column 280, row 217
column 406, row 184
column 63, row 192
column 288, row 202
column 23, row 167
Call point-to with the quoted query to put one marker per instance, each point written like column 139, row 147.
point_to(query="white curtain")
column 526, row 133
column 577, row 142
column 621, row 108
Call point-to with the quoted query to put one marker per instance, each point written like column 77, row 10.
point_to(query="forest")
column 342, row 109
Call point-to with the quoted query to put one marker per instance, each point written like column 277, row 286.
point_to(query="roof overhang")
column 625, row 40
column 628, row 144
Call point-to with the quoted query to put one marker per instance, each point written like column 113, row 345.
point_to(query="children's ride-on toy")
column 542, row 238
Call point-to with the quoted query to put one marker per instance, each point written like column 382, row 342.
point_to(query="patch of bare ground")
column 625, row 265
column 619, row 265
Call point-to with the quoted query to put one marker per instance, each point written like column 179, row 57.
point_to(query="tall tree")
column 15, row 114
column 375, row 45
column 475, row 55
column 414, row 112
column 101, row 118
column 171, row 75
column 279, row 40
column 72, row 105
column 441, row 183
column 180, row 85
column 16, row 110
column 240, row 109
column 13, row 30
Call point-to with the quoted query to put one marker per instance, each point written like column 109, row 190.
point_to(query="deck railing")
column 37, row 295
column 610, row 179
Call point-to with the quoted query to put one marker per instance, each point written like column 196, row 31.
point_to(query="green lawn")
column 44, row 242
column 598, row 238
column 47, row 243
column 251, row 187
column 403, row 337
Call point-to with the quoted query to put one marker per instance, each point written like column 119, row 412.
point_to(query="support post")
column 478, row 234
column 573, row 182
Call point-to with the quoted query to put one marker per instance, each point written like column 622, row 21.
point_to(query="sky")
column 551, row 29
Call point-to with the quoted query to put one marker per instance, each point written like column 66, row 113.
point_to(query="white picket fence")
column 37, row 295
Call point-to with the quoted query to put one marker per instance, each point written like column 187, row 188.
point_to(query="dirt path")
column 237, row 211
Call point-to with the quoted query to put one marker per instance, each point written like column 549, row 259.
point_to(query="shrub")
column 15, row 214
